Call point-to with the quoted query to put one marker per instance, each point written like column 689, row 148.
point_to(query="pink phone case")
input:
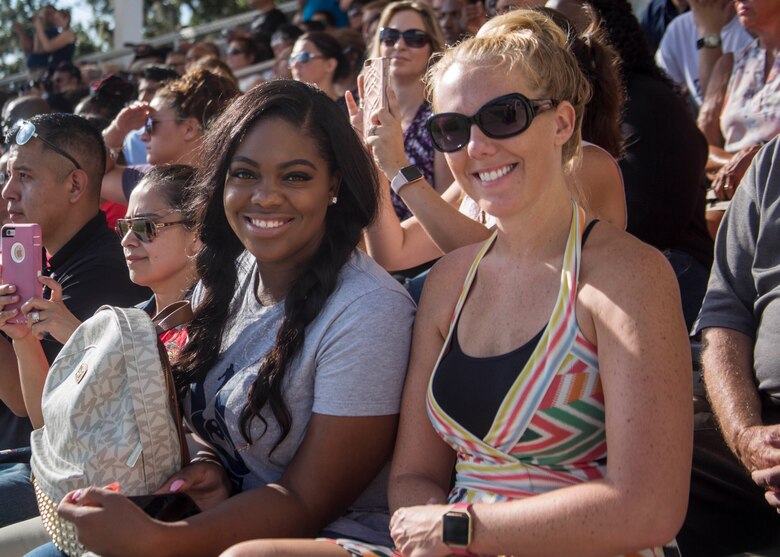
column 374, row 88
column 22, row 262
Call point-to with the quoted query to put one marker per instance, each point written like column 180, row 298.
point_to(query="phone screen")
column 169, row 507
column 22, row 261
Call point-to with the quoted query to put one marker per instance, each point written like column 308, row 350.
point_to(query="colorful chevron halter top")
column 549, row 431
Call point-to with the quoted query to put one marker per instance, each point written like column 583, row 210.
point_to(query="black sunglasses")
column 500, row 118
column 26, row 132
column 414, row 38
column 151, row 122
column 144, row 228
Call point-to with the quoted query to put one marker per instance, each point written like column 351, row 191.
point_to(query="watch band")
column 459, row 512
column 709, row 41
column 407, row 175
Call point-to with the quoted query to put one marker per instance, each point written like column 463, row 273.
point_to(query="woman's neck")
column 537, row 231
column 274, row 281
column 329, row 89
column 172, row 291
column 410, row 95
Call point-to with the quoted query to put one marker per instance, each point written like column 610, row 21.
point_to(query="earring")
column 333, row 200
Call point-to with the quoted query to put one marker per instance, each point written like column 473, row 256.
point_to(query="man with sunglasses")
column 56, row 163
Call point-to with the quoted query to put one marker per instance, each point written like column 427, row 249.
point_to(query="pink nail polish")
column 76, row 496
column 176, row 486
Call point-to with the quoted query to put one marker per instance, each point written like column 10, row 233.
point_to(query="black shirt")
column 663, row 170
column 92, row 272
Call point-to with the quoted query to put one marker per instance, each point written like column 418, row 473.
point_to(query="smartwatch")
column 407, row 175
column 456, row 529
column 708, row 41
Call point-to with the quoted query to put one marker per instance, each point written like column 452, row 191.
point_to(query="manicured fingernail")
column 176, row 486
column 40, row 274
column 113, row 486
column 76, row 495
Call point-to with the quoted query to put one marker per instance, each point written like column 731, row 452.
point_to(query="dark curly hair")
column 319, row 118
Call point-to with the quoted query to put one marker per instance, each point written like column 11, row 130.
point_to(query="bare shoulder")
column 444, row 284
column 620, row 273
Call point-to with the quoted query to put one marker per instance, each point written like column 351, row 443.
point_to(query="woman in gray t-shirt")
column 298, row 349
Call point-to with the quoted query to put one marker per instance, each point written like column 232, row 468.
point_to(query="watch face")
column 411, row 173
column 455, row 529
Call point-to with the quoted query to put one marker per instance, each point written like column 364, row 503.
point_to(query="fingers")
column 361, row 81
column 392, row 101
column 352, row 106
column 72, row 507
column 53, row 286
column 183, row 480
column 768, row 478
column 7, row 295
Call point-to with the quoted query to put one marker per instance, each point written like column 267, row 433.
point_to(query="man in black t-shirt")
column 55, row 167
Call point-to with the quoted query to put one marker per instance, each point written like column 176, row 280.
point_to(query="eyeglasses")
column 303, row 57
column 235, row 52
column 144, row 228
column 27, row 131
column 354, row 12
column 414, row 38
column 151, row 123
column 500, row 118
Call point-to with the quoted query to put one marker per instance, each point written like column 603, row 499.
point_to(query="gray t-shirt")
column 353, row 363
column 744, row 289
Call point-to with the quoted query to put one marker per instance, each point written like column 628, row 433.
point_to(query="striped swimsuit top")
column 549, row 431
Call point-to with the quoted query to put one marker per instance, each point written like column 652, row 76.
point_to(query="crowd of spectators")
column 471, row 308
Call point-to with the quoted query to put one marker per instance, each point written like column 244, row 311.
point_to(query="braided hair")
column 318, row 117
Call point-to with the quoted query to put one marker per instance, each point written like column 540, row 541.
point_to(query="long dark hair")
column 319, row 118
column 627, row 38
column 601, row 66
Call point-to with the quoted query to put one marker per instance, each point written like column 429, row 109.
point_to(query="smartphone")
column 22, row 262
column 375, row 84
column 169, row 507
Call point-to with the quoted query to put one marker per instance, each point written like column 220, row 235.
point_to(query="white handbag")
column 109, row 405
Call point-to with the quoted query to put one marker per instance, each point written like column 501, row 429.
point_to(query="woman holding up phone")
column 298, row 347
column 409, row 34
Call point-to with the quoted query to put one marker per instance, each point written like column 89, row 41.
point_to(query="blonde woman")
column 550, row 365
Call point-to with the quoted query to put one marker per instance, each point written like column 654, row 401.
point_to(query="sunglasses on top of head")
column 503, row 117
column 414, row 38
column 144, row 228
column 26, row 131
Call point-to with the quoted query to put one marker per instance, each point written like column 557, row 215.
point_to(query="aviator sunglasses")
column 144, row 228
column 500, row 118
column 414, row 38
column 27, row 131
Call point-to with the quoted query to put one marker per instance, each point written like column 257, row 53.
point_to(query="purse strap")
column 172, row 316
